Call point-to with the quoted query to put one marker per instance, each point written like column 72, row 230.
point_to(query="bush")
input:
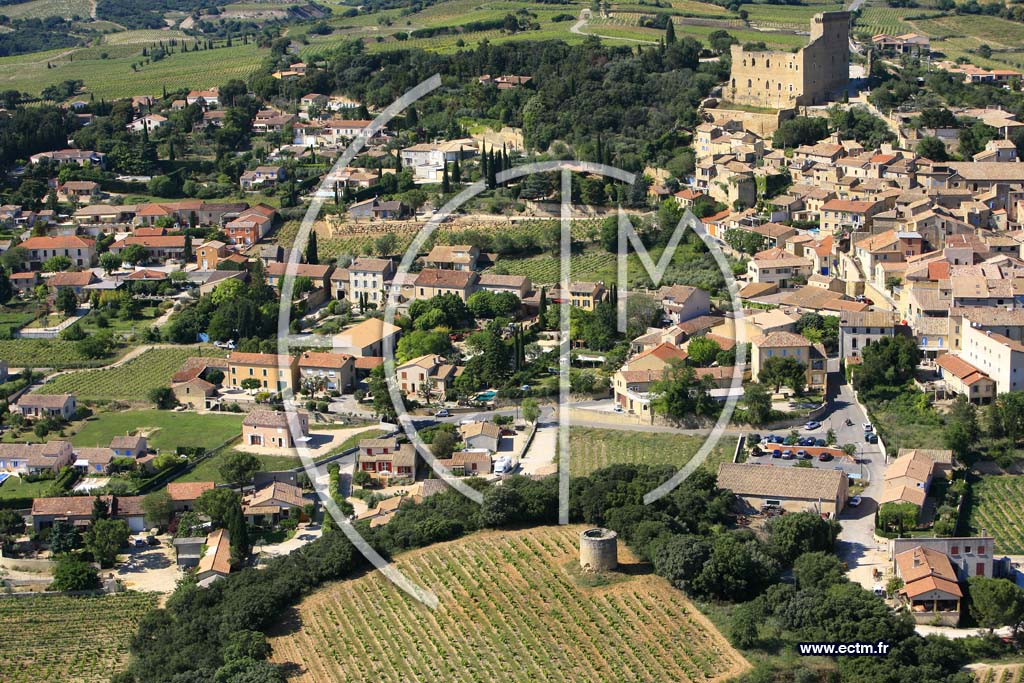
column 72, row 574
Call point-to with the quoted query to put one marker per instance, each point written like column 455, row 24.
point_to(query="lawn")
column 208, row 470
column 16, row 487
column 488, row 626
column 997, row 506
column 165, row 429
column 593, row 449
column 129, row 382
column 64, row 638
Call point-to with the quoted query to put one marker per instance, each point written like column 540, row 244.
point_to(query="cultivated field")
column 80, row 639
column 998, row 507
column 511, row 609
column 165, row 429
column 593, row 449
column 129, row 382
column 45, row 353
column 1009, row 673
column 49, row 8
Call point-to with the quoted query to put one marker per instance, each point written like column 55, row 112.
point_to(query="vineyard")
column 1011, row 673
column 129, row 382
column 998, row 507
column 510, row 609
column 593, row 449
column 49, row 8
column 59, row 638
column 113, row 77
column 46, row 353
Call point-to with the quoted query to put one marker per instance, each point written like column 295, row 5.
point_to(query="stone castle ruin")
column 777, row 79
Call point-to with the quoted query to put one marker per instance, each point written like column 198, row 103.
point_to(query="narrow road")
column 577, row 28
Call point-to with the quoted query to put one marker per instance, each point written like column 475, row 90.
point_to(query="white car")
column 868, row 427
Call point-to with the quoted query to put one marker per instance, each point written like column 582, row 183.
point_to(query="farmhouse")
column 80, row 250
column 384, row 458
column 59, row 406
column 272, row 372
column 930, row 587
column 272, row 503
column 367, row 339
column 216, row 561
column 184, row 494
column 36, row 457
column 271, row 428
column 486, row 435
column 334, row 371
column 78, row 511
column 795, row 489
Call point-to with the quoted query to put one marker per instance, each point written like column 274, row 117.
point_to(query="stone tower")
column 599, row 550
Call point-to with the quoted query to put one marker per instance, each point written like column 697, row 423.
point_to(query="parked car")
column 825, row 457
column 802, row 454
column 503, row 465
column 820, row 443
column 871, row 437
column 854, row 502
column 776, row 453
column 756, row 452
column 617, row 408
column 807, row 441
column 813, row 424
column 787, row 454
column 442, row 413
column 868, row 427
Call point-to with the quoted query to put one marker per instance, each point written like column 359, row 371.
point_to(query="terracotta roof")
column 217, row 558
column 320, row 359
column 268, row 359
column 72, row 279
column 277, row 491
column 46, row 401
column 435, row 277
column 190, row 490
column 784, row 482
column 480, row 428
column 59, row 242
column 780, row 339
column 848, row 205
column 267, row 418
column 961, row 369
column 901, row 493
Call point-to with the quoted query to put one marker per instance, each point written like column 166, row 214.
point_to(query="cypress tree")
column 312, row 254
column 670, row 32
column 483, row 166
column 456, row 172
column 446, row 185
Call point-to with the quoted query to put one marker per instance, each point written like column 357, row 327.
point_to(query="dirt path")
column 578, row 27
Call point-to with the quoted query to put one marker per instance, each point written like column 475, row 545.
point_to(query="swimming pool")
column 485, row 396
column 3, row 477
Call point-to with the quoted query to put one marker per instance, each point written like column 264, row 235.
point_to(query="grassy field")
column 129, row 382
column 997, row 506
column 593, row 449
column 511, row 609
column 81, row 639
column 16, row 487
column 208, row 470
column 165, row 429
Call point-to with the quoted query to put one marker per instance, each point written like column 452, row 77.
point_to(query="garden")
column 509, row 603
column 62, row 638
column 165, row 430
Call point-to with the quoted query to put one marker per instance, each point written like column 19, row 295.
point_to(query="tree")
column 886, row 364
column 218, row 504
column 386, row 244
column 758, row 402
column 238, row 467
column 804, row 532
column 246, row 644
column 67, row 302
column 100, row 509
column 109, row 262
column 163, row 398
column 72, row 574
column 531, row 411
column 502, row 506
column 897, row 517
column 743, row 631
column 721, row 41
column 680, row 393
column 250, row 384
column 702, row 351
column 681, row 559
column 996, row 603
column 157, row 507
column 818, row 570
column 11, row 523
column 801, row 130
column 64, row 538
column 443, row 445
column 56, row 264
column 6, row 289
column 247, row 670
column 932, row 148
column 134, row 254
column 783, row 370
column 737, row 569
column 312, row 254
column 446, row 183
column 104, row 538
column 670, row 33
column 421, row 343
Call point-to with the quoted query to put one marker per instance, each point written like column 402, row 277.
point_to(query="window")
column 770, row 501
column 981, row 550
column 979, row 569
column 967, row 549
column 955, row 550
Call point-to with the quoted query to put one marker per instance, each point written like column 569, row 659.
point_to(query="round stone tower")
column 599, row 550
